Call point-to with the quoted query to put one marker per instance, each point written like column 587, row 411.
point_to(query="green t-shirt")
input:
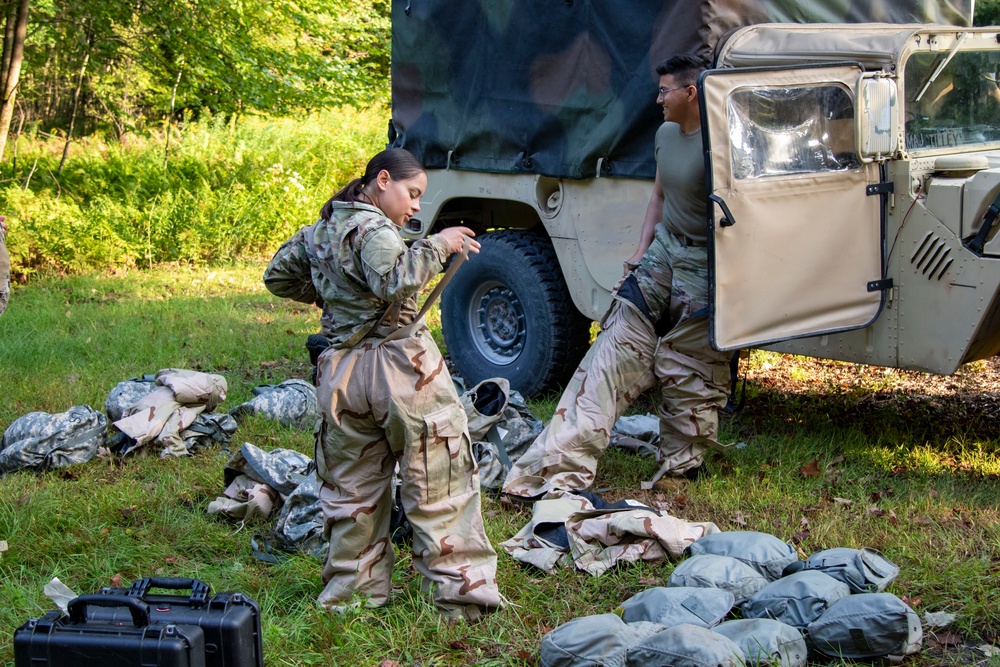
column 680, row 161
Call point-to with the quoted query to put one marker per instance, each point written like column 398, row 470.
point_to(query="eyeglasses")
column 664, row 91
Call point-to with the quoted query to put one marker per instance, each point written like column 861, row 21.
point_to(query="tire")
column 507, row 313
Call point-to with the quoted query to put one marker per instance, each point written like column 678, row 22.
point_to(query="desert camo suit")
column 383, row 403
column 656, row 330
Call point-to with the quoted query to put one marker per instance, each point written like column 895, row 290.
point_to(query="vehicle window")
column 958, row 107
column 796, row 130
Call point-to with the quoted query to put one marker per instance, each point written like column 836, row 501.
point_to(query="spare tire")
column 507, row 313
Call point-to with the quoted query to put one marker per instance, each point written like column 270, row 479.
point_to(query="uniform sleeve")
column 395, row 272
column 289, row 274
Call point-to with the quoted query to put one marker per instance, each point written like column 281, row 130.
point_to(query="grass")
column 820, row 468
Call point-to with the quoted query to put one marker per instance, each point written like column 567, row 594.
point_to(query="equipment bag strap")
column 410, row 328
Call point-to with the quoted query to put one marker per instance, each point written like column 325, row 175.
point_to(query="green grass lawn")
column 823, row 465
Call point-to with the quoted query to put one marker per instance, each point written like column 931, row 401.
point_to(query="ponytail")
column 400, row 164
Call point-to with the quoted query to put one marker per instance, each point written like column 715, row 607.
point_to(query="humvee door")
column 795, row 238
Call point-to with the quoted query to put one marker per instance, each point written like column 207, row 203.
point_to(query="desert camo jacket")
column 366, row 251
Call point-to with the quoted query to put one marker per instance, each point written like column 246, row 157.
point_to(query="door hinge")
column 879, row 189
column 879, row 285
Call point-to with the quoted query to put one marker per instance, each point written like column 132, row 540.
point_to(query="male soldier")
column 4, row 266
column 656, row 329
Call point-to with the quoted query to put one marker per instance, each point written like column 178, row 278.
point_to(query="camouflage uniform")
column 668, row 294
column 384, row 403
column 4, row 272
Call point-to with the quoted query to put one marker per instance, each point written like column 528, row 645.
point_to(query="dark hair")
column 684, row 68
column 400, row 164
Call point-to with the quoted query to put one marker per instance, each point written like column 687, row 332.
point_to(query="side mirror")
column 876, row 122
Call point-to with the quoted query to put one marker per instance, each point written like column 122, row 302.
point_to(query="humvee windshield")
column 956, row 106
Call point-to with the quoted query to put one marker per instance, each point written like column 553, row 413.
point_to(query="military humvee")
column 851, row 161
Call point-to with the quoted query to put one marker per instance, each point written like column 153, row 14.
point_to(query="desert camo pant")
column 396, row 403
column 625, row 360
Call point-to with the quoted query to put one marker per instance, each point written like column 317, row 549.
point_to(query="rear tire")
column 507, row 313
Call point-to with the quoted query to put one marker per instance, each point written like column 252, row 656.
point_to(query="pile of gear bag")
column 832, row 603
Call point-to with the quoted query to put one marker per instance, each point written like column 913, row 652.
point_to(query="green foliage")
column 229, row 192
column 987, row 12
column 275, row 56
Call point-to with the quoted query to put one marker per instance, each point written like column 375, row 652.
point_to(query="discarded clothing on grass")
column 290, row 403
column 260, row 483
column 637, row 433
column 126, row 394
column 598, row 539
column 500, row 426
column 166, row 416
column 41, row 440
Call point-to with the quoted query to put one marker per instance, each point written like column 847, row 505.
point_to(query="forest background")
column 191, row 131
column 201, row 131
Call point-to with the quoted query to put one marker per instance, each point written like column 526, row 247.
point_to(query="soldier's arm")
column 289, row 275
column 654, row 212
column 395, row 272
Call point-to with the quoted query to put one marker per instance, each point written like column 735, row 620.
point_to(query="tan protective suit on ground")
column 384, row 402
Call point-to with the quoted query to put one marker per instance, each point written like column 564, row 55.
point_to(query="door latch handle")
column 727, row 217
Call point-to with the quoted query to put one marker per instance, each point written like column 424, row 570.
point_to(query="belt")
column 685, row 241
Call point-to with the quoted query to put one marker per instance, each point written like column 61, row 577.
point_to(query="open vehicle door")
column 796, row 225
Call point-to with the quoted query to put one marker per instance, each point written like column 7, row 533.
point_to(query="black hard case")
column 230, row 621
column 55, row 640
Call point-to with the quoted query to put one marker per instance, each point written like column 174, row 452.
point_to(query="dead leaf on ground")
column 648, row 581
column 460, row 646
column 270, row 364
column 389, row 663
column 739, row 519
column 116, row 580
column 947, row 638
column 171, row 559
column 525, row 656
column 843, row 501
column 811, row 470
column 913, row 602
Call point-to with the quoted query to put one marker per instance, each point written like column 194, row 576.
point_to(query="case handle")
column 77, row 607
column 199, row 589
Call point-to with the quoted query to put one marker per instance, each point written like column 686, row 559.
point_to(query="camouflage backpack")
column 41, row 440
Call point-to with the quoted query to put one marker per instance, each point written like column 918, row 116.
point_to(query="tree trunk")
column 12, row 68
column 170, row 118
column 76, row 105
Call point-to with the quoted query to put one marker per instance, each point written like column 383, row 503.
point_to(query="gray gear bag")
column 766, row 642
column 704, row 607
column 686, row 646
column 866, row 626
column 725, row 572
column 798, row 599
column 864, row 570
column 761, row 551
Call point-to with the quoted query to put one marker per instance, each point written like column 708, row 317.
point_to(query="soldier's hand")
column 455, row 236
column 632, row 263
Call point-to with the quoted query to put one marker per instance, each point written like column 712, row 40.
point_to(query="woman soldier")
column 390, row 400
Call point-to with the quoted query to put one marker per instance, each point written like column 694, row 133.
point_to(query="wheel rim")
column 497, row 320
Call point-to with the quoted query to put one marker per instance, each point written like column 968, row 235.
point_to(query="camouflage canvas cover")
column 566, row 89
